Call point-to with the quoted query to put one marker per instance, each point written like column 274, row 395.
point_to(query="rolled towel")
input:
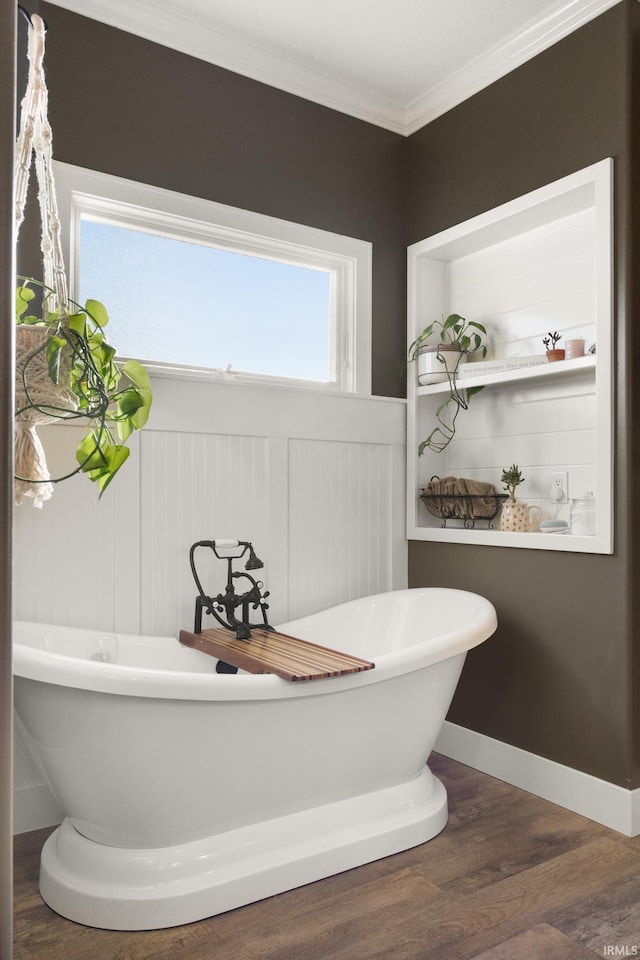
column 479, row 488
column 462, row 506
column 484, row 503
column 449, row 503
column 437, row 486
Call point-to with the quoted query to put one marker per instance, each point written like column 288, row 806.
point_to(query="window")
column 195, row 286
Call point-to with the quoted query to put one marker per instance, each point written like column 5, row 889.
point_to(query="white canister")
column 573, row 349
column 583, row 515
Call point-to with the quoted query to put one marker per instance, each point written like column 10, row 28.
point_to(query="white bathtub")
column 187, row 793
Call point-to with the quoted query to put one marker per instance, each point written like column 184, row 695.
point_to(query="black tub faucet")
column 228, row 602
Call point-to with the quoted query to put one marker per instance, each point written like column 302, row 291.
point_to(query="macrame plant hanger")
column 38, row 399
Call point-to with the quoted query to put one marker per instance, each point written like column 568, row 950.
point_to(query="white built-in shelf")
column 498, row 538
column 559, row 369
column 540, row 263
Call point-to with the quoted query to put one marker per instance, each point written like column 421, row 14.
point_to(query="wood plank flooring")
column 512, row 877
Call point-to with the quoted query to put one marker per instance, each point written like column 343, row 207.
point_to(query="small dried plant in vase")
column 554, row 353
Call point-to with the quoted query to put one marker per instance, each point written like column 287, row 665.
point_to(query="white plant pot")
column 434, row 362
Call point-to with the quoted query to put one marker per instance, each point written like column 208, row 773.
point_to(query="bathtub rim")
column 33, row 663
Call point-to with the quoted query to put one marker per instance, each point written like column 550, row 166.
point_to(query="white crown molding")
column 188, row 35
column 500, row 61
column 197, row 39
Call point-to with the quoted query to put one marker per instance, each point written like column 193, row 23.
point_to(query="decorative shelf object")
column 466, row 507
column 562, row 368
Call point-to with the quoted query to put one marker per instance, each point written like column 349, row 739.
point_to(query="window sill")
column 172, row 371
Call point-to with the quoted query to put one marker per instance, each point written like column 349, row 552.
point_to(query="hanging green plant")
column 88, row 382
column 65, row 367
column 458, row 337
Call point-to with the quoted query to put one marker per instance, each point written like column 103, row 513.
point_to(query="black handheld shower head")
column 253, row 563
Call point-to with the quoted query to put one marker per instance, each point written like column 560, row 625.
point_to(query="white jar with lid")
column 583, row 515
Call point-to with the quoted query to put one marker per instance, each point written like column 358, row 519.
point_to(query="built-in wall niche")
column 540, row 263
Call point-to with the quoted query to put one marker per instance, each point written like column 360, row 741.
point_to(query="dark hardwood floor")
column 512, row 877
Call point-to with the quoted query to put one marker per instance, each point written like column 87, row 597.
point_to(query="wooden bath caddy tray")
column 271, row 652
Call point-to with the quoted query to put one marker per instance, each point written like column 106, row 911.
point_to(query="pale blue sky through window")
column 188, row 303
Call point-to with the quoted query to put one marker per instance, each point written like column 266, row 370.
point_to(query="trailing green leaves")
column 106, row 391
column 55, row 345
column 467, row 336
column 454, row 330
column 24, row 296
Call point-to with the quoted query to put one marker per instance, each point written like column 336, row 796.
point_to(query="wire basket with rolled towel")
column 459, row 498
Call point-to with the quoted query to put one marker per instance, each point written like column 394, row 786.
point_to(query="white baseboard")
column 34, row 807
column 596, row 799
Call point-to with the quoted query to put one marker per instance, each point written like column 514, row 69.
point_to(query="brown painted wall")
column 556, row 678
column 129, row 107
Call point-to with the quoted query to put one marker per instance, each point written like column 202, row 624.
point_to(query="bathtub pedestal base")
column 122, row 889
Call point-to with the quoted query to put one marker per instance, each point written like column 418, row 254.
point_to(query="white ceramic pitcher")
column 519, row 517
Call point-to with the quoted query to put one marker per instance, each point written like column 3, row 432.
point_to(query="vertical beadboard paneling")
column 121, row 562
column 70, row 556
column 196, row 487
column 396, row 559
column 277, row 544
column 126, row 526
column 340, row 522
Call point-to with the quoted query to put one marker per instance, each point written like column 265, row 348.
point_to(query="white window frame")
column 111, row 200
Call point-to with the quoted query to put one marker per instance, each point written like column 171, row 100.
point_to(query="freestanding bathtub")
column 187, row 793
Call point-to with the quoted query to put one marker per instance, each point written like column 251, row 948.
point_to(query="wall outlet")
column 559, row 487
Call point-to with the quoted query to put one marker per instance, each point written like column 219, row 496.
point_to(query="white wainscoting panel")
column 317, row 483
column 196, row 487
column 343, row 522
column 76, row 561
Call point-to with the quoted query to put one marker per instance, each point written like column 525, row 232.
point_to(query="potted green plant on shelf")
column 516, row 517
column 512, row 478
column 455, row 339
column 67, row 370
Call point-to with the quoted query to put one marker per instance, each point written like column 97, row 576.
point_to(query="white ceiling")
column 395, row 63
